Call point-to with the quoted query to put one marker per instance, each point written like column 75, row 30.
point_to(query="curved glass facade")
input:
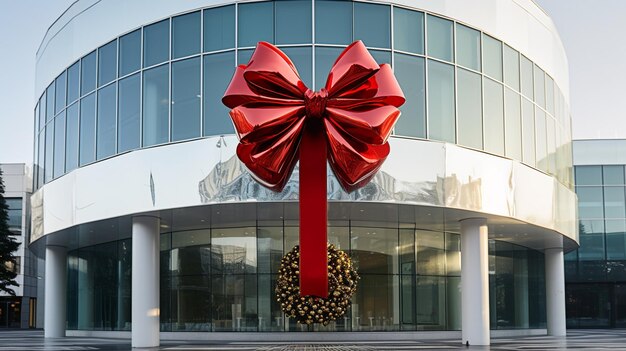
column 163, row 82
column 222, row 279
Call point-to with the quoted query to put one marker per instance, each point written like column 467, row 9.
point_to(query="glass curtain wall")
column 163, row 82
column 223, row 279
column 596, row 273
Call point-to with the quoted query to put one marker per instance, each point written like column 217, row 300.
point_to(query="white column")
column 555, row 292
column 474, row 282
column 145, row 282
column 55, row 287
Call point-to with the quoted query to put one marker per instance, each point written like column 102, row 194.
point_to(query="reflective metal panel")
column 425, row 175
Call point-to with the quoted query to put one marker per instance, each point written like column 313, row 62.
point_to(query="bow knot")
column 315, row 103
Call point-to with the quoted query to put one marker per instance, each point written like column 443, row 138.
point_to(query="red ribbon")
column 280, row 121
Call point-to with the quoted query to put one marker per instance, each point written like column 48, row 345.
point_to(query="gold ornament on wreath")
column 342, row 281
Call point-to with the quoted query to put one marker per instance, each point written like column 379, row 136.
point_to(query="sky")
column 23, row 24
column 592, row 32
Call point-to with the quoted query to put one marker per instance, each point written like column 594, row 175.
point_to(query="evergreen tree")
column 8, row 246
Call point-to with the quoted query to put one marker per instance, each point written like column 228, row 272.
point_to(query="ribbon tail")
column 313, row 213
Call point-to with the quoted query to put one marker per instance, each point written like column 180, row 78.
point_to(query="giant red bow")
column 280, row 121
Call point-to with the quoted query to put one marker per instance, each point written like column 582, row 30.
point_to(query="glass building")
column 24, row 309
column 595, row 273
column 138, row 189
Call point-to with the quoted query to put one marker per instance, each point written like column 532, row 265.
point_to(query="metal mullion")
column 426, row 80
column 201, row 73
column 95, row 92
column 236, row 34
column 313, row 71
column 393, row 62
column 141, row 74
column 169, row 63
column 456, row 86
column 482, row 87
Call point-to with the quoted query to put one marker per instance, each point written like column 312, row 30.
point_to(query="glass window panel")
column 527, row 77
column 431, row 303
column 374, row 250
column 60, row 86
column 333, row 22
column 191, row 303
column 233, row 250
column 156, row 105
column 540, row 87
column 128, row 134
column 130, row 53
column 244, row 56
column 511, row 67
column 590, row 202
column 541, row 135
column 551, row 135
column 441, row 108
column 219, row 28
column 440, row 38
column 293, row 22
column 270, row 314
column 381, row 56
column 256, row 23
column 407, row 251
column 468, row 47
column 376, row 305
column 71, row 143
column 453, row 254
column 107, row 63
column 301, row 57
column 469, row 102
column 410, row 73
column 50, row 102
column 324, row 60
column 234, row 303
column 42, row 111
column 14, row 203
column 614, row 202
column 588, row 175
column 218, row 71
column 431, row 257
column 105, row 135
column 613, row 175
column 73, row 82
column 528, row 132
column 59, row 145
column 49, row 152
column 270, row 244
column 615, row 239
column 372, row 24
column 88, row 73
column 156, row 43
column 408, row 30
column 513, row 125
column 87, row 150
column 550, row 95
column 186, row 35
column 42, row 157
column 494, row 117
column 591, row 239
column 186, row 99
column 492, row 54
column 194, row 256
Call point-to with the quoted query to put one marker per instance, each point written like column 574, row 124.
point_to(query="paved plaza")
column 18, row 340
